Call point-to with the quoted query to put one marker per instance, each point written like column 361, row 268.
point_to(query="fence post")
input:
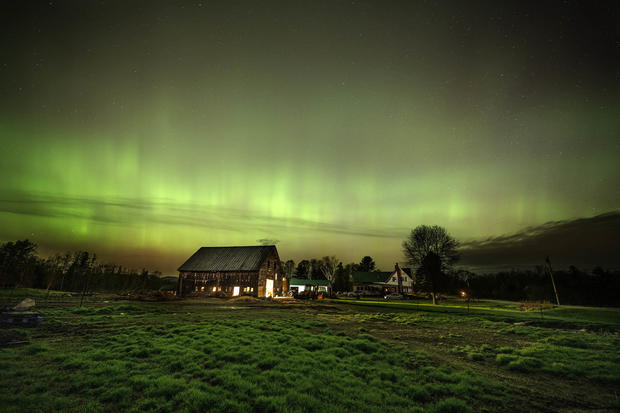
column 84, row 290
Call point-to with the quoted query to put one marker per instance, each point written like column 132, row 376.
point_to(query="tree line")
column 429, row 250
column 339, row 275
column 21, row 266
column 575, row 286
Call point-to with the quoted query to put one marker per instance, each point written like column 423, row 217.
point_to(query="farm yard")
column 246, row 354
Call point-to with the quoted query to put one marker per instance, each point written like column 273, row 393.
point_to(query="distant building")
column 170, row 278
column 370, row 282
column 383, row 282
column 169, row 283
column 406, row 278
column 233, row 271
column 299, row 285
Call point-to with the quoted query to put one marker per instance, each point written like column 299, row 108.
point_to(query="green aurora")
column 143, row 133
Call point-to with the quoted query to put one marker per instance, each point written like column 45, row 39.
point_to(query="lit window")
column 214, row 289
column 202, row 288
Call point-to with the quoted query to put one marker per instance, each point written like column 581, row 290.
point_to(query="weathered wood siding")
column 272, row 269
column 204, row 283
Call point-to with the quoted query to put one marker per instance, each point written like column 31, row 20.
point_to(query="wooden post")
column 180, row 285
column 550, row 271
column 84, row 290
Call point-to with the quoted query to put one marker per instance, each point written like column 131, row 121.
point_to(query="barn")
column 232, row 271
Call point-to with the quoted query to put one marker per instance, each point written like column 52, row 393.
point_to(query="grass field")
column 218, row 355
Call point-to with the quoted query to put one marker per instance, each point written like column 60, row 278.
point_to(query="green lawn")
column 216, row 355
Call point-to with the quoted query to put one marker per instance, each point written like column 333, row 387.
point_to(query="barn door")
column 269, row 288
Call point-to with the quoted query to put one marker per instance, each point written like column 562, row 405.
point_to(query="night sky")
column 143, row 130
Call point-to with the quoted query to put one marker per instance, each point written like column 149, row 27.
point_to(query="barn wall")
column 203, row 283
column 272, row 269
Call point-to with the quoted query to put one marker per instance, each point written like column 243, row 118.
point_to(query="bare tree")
column 432, row 250
column 328, row 267
column 289, row 268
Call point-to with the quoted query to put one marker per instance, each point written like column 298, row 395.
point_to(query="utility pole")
column 550, row 272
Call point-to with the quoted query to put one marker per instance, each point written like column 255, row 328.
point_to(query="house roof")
column 303, row 281
column 405, row 270
column 370, row 277
column 210, row 259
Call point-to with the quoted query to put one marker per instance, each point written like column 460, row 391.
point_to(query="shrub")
column 419, row 393
column 167, row 386
column 118, row 395
column 266, row 404
column 504, row 359
column 475, row 356
column 140, row 353
column 506, row 349
column 451, row 405
column 35, row 348
column 525, row 364
column 364, row 346
column 198, row 400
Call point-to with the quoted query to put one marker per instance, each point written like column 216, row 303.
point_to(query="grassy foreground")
column 216, row 355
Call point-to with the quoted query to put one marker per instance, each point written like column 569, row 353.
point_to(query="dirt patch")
column 245, row 300
column 12, row 338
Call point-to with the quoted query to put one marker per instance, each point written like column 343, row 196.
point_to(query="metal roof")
column 302, row 281
column 211, row 259
column 370, row 277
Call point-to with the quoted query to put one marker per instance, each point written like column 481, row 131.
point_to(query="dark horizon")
column 563, row 241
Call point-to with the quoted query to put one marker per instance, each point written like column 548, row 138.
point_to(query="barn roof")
column 227, row 258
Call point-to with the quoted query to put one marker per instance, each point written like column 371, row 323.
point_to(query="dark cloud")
column 583, row 242
column 267, row 241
